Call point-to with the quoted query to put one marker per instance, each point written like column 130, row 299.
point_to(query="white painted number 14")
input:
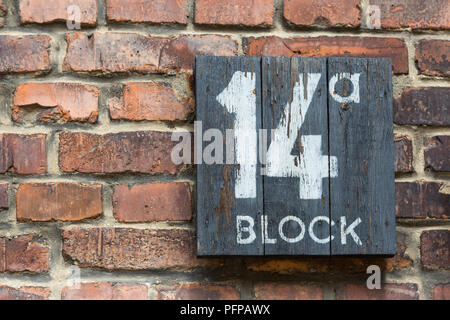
column 311, row 167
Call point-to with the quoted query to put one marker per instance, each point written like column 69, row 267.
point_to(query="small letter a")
column 374, row 281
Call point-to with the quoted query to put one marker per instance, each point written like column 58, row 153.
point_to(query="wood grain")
column 361, row 136
column 217, row 206
column 282, row 194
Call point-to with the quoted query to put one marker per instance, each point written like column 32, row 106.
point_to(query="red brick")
column 150, row 101
column 234, row 12
column 41, row 11
column 23, row 154
column 331, row 46
column 421, row 200
column 25, row 253
column 334, row 264
column 23, row 54
column 42, row 202
column 414, row 14
column 441, row 292
column 142, row 152
column 437, row 153
column 435, row 249
column 152, row 11
column 129, row 52
column 403, row 154
column 4, row 203
column 278, row 291
column 433, row 58
column 24, row 293
column 401, row 260
column 65, row 101
column 322, row 12
column 179, row 54
column 105, row 291
column 388, row 291
column 119, row 52
column 423, row 106
column 197, row 291
column 39, row 291
column 133, row 249
column 88, row 291
column 153, row 202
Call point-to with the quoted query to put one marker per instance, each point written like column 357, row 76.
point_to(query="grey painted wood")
column 361, row 136
column 355, row 138
column 282, row 194
column 217, row 206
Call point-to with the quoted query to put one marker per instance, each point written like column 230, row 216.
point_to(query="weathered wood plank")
column 228, row 96
column 296, row 174
column 361, row 136
column 329, row 167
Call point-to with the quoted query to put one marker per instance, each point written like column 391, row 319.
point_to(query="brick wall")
column 85, row 122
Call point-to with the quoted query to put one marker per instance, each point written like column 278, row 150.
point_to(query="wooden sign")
column 294, row 156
